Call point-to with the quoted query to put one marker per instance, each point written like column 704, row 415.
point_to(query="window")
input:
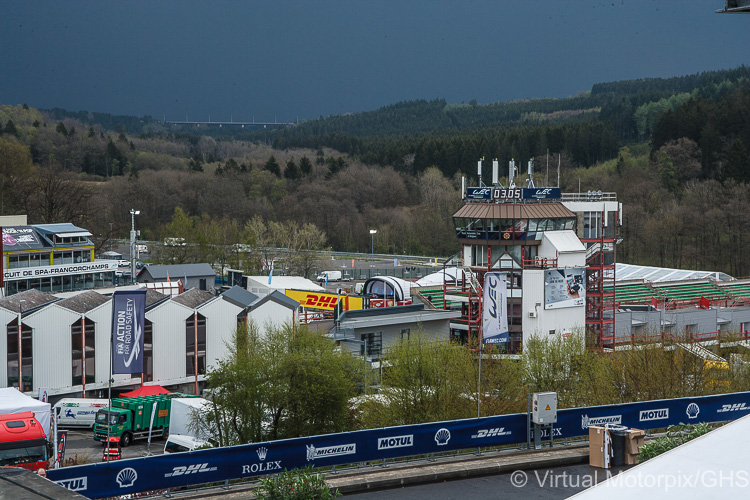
column 26, row 355
column 191, row 351
column 148, row 350
column 202, row 284
column 592, row 224
column 405, row 333
column 371, row 343
column 83, row 344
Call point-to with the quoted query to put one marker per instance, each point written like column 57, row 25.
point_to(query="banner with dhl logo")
column 324, row 301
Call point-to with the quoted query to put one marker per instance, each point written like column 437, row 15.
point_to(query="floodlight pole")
column 20, row 357
column 133, row 235
column 372, row 250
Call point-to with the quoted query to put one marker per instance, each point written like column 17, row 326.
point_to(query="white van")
column 77, row 412
column 178, row 443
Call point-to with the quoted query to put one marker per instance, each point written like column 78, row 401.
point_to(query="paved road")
column 82, row 443
column 548, row 484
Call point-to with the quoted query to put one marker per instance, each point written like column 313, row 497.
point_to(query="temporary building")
column 13, row 401
column 146, row 390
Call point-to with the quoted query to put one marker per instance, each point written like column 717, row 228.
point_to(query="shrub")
column 675, row 436
column 299, row 484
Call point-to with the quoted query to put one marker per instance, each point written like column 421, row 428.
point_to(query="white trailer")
column 78, row 412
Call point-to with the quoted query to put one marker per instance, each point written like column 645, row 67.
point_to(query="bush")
column 299, row 484
column 675, row 436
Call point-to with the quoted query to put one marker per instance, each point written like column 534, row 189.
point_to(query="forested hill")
column 610, row 115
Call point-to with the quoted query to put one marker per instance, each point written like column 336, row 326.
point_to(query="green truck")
column 130, row 418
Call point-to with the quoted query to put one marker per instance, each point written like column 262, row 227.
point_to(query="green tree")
column 273, row 166
column 282, row 382
column 292, row 171
column 737, row 166
column 305, row 165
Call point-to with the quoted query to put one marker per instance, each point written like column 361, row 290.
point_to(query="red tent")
column 146, row 390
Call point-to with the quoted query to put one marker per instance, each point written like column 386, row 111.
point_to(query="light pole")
column 372, row 249
column 110, row 236
column 133, row 234
column 20, row 354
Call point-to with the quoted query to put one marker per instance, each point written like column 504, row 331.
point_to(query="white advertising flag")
column 495, row 309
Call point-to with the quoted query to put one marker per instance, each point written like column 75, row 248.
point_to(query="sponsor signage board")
column 510, row 194
column 128, row 311
column 495, row 309
column 99, row 266
column 173, row 470
column 324, row 301
column 564, row 288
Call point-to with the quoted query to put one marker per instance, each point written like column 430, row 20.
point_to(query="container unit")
column 130, row 418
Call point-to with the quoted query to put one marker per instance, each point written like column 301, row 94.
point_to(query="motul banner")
column 495, row 309
column 324, row 301
column 128, row 310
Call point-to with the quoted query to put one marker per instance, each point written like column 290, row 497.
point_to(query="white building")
column 63, row 338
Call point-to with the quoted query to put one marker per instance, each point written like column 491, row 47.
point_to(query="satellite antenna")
column 495, row 166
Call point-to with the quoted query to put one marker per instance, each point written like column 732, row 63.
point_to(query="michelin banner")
column 495, row 309
column 564, row 288
column 128, row 310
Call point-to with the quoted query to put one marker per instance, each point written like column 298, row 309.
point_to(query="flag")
column 128, row 310
column 352, row 263
column 168, row 280
column 326, row 279
column 270, row 273
column 495, row 309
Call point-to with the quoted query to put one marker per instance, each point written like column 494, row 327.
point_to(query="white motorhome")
column 77, row 412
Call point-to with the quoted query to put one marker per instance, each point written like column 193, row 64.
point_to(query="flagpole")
column 109, row 380
column 479, row 381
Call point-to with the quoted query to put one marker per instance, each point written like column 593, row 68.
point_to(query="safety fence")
column 250, row 461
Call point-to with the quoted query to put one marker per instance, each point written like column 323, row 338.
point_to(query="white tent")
column 447, row 275
column 14, row 401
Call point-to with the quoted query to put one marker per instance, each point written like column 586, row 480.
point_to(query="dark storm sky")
column 280, row 60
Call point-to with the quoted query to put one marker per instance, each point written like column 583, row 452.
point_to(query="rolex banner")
column 495, row 309
column 128, row 310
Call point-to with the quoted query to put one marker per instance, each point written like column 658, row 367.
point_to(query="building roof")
column 32, row 299
column 382, row 316
column 193, row 298
column 279, row 298
column 178, row 271
column 513, row 211
column 63, row 229
column 564, row 241
column 154, row 298
column 84, row 301
column 287, row 283
column 239, row 296
column 627, row 272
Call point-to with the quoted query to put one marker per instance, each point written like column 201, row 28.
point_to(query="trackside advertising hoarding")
column 128, row 311
column 173, row 470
